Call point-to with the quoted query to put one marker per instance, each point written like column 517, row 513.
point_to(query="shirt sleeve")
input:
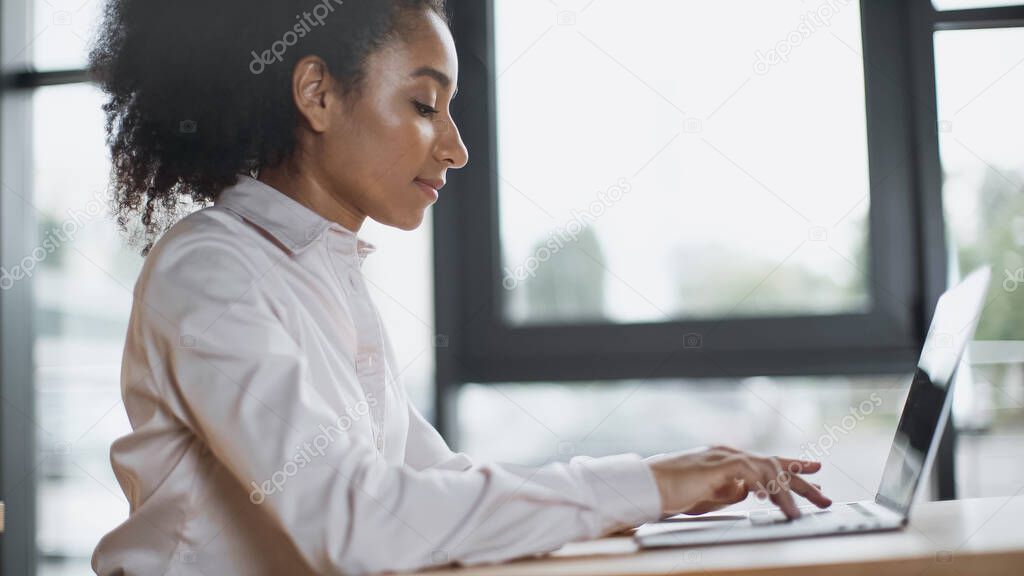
column 425, row 448
column 241, row 382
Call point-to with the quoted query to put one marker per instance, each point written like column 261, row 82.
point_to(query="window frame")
column 921, row 52
column 484, row 348
column 18, row 463
column 906, row 194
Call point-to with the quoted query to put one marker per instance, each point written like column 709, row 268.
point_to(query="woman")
column 270, row 435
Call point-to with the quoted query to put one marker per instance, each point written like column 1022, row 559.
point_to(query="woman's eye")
column 424, row 110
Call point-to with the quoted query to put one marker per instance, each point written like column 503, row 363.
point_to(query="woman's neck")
column 305, row 188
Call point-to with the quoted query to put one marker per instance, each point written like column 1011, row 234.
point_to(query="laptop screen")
column 928, row 402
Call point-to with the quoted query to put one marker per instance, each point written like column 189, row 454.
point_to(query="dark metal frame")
column 17, row 412
column 972, row 19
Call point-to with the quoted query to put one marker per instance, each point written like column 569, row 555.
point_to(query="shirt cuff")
column 623, row 489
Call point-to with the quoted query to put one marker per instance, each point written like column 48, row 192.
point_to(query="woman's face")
column 384, row 153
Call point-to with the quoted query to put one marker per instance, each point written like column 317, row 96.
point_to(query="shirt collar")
column 293, row 225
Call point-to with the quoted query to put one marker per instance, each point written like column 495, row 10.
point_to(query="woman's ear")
column 312, row 92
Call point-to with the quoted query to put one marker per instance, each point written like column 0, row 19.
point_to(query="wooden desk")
column 959, row 538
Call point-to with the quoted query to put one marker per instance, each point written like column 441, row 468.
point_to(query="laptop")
column 910, row 457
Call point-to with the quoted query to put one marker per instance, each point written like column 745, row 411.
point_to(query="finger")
column 812, row 492
column 781, row 488
column 795, row 466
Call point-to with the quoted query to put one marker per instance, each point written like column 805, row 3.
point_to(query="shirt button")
column 353, row 281
column 380, row 442
column 364, row 362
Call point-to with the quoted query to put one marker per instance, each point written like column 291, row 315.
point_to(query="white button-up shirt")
column 271, row 435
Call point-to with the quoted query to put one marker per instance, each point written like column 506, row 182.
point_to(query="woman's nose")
column 451, row 150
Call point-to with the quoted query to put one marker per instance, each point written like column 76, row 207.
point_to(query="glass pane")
column 82, row 278
column 641, row 165
column 62, row 31
column 980, row 88
column 991, row 420
column 847, row 423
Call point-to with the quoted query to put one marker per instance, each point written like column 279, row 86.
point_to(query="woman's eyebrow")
column 437, row 75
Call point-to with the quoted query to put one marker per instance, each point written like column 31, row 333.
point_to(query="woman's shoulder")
column 210, row 243
column 211, row 228
column 202, row 277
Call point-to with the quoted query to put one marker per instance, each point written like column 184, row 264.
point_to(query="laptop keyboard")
column 842, row 516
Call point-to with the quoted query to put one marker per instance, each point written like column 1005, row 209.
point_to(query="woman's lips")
column 427, row 189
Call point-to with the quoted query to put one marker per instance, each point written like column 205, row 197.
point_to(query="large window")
column 648, row 150
column 82, row 293
column 980, row 83
column 674, row 213
column 664, row 190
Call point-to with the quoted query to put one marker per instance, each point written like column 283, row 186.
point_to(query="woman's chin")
column 407, row 222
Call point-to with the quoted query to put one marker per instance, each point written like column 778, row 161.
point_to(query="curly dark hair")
column 200, row 91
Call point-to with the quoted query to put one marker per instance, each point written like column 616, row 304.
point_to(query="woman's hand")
column 706, row 479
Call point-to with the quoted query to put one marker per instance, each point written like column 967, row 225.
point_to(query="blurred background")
column 651, row 162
